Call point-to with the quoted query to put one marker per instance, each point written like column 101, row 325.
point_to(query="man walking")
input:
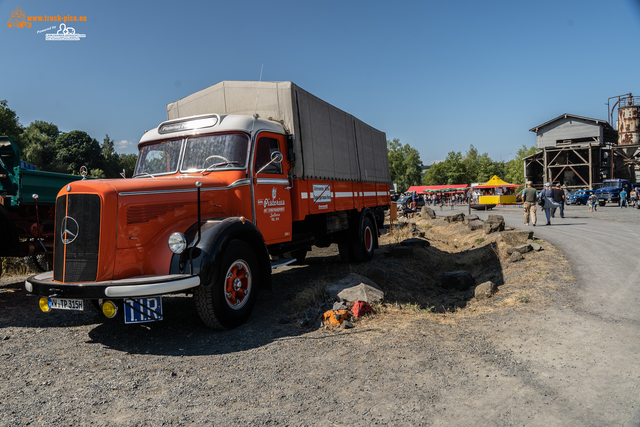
column 529, row 196
column 558, row 197
column 623, row 198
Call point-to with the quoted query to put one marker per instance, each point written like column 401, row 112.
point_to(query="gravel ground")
column 480, row 365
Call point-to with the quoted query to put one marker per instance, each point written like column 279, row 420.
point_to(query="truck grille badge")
column 70, row 229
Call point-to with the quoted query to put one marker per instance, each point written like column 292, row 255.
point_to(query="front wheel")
column 228, row 300
column 601, row 203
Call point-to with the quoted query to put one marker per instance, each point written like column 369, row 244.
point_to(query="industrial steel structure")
column 580, row 152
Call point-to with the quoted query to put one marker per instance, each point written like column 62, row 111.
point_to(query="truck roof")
column 207, row 123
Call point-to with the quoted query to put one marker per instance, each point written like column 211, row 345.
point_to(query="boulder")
column 485, row 290
column 535, row 246
column 472, row 217
column 460, row 280
column 476, row 224
column 354, row 288
column 423, row 243
column 427, row 211
column 523, row 249
column 515, row 257
column 515, row 237
column 458, row 217
column 493, row 224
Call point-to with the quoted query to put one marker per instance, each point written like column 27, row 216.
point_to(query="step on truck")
column 243, row 177
column 27, row 200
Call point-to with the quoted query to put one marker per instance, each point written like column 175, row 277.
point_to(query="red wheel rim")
column 237, row 284
column 368, row 239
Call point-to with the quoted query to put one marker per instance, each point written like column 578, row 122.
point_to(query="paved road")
column 588, row 353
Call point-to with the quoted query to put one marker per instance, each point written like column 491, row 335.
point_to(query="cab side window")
column 266, row 146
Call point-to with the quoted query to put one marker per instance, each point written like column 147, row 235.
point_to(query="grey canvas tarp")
column 329, row 143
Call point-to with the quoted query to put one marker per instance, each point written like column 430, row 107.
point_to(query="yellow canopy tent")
column 497, row 197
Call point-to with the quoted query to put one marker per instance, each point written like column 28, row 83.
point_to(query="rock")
column 493, row 224
column 515, row 237
column 523, row 249
column 427, row 211
column 460, row 280
column 535, row 246
column 346, row 325
column 401, row 251
column 423, row 243
column 459, row 217
column 353, row 288
column 472, row 217
column 378, row 275
column 485, row 290
column 516, row 256
column 475, row 224
column 339, row 306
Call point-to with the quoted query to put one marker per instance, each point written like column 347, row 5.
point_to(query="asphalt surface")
column 589, row 350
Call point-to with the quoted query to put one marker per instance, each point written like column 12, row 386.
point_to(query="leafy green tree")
column 112, row 166
column 470, row 161
column 405, row 165
column 436, row 175
column 97, row 173
column 514, row 169
column 128, row 163
column 39, row 138
column 76, row 149
column 9, row 124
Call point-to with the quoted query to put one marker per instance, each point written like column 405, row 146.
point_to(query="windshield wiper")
column 215, row 165
column 143, row 174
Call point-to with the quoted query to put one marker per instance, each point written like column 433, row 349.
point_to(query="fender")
column 217, row 233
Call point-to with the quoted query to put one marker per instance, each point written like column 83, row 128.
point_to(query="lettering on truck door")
column 272, row 193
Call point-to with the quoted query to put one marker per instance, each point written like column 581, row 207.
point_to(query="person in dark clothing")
column 545, row 194
column 558, row 197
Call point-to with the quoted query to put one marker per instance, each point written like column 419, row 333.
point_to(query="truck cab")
column 610, row 191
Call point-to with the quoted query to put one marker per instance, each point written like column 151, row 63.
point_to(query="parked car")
column 580, row 197
column 405, row 200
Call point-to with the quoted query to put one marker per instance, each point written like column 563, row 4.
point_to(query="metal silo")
column 629, row 121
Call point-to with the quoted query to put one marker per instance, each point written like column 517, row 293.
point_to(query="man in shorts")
column 529, row 196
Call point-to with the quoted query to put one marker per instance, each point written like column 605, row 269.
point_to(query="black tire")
column 601, row 203
column 224, row 303
column 364, row 246
column 37, row 263
column 579, row 202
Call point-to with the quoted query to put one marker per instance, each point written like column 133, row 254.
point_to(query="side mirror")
column 276, row 157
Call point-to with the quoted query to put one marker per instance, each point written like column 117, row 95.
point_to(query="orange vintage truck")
column 243, row 177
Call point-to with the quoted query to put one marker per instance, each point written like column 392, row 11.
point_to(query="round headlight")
column 177, row 243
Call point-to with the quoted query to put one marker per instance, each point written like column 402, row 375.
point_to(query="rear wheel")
column 228, row 300
column 364, row 245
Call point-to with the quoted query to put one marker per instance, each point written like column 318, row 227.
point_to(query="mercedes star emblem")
column 70, row 229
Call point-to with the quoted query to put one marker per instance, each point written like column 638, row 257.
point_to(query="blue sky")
column 436, row 75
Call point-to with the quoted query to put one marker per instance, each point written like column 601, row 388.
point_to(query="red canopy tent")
column 421, row 188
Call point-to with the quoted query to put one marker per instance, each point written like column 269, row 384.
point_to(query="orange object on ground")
column 335, row 317
column 360, row 308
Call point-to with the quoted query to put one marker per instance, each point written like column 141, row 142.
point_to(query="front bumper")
column 140, row 286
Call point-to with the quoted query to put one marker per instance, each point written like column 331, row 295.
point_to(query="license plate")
column 141, row 310
column 66, row 304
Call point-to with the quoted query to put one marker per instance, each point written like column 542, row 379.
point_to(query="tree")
column 39, row 139
column 128, row 163
column 405, row 165
column 112, row 166
column 9, row 124
column 76, row 149
column 436, row 175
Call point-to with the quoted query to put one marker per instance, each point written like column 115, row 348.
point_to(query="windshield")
column 159, row 158
column 216, row 152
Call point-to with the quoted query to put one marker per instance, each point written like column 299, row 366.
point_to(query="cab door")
column 272, row 190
